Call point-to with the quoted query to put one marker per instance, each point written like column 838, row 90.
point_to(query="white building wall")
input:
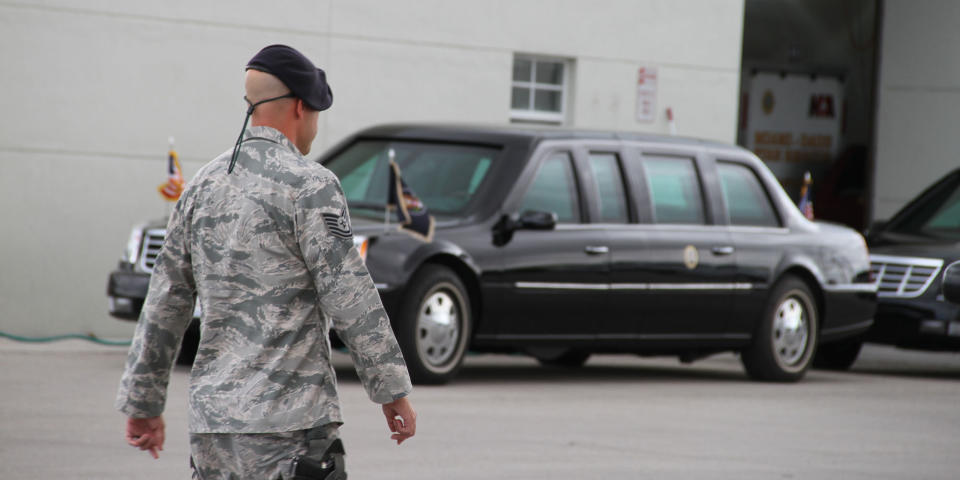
column 919, row 100
column 93, row 89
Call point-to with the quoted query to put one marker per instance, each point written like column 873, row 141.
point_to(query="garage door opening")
column 808, row 98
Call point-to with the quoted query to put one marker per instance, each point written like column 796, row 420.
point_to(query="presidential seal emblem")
column 691, row 257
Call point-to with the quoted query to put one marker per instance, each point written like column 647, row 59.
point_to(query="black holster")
column 330, row 466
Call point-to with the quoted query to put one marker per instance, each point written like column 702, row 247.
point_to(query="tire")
column 568, row 359
column 838, row 355
column 786, row 339
column 434, row 326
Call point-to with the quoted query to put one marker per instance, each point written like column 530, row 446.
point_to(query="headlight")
column 132, row 252
column 361, row 242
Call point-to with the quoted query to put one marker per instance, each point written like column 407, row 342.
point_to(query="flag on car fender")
column 173, row 187
column 411, row 212
column 806, row 203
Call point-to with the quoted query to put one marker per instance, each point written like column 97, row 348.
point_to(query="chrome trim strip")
column 616, row 336
column 673, row 336
column 630, row 286
column 634, row 286
column 701, row 286
column 749, row 229
column 563, row 286
column 852, row 287
column 381, row 286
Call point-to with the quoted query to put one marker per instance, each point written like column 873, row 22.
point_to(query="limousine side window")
column 674, row 187
column 554, row 189
column 609, row 179
column 747, row 201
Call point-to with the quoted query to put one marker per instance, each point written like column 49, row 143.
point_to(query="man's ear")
column 301, row 108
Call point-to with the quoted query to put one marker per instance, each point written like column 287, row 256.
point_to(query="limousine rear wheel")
column 435, row 324
column 786, row 338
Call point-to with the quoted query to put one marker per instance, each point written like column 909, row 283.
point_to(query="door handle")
column 722, row 250
column 596, row 249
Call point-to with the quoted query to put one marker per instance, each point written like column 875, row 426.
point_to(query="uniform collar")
column 270, row 134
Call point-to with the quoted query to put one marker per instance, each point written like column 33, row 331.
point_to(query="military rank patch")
column 338, row 224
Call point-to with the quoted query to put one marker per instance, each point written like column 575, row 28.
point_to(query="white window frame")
column 531, row 114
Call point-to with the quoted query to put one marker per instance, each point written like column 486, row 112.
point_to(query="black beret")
column 297, row 72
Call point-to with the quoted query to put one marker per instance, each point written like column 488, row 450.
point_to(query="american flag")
column 806, row 203
column 173, row 187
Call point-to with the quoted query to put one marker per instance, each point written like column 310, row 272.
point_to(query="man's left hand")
column 146, row 434
column 401, row 419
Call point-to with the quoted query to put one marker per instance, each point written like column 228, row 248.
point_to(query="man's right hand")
column 401, row 419
column 146, row 434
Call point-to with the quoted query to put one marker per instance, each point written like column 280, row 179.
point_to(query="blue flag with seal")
column 411, row 212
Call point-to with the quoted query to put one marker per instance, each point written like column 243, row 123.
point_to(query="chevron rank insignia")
column 338, row 224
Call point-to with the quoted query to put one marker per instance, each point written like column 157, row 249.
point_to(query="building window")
column 539, row 89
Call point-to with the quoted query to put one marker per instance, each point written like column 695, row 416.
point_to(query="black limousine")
column 564, row 243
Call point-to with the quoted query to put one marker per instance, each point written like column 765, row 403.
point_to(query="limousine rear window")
column 747, row 201
column 444, row 176
column 674, row 189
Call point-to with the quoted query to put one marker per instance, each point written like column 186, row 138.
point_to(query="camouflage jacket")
column 268, row 250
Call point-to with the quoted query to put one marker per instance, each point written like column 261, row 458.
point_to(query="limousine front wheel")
column 434, row 325
column 786, row 338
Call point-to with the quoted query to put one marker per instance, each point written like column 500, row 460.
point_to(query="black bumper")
column 126, row 292
column 923, row 324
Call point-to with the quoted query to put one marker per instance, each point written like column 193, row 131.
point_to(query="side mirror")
column 951, row 283
column 529, row 220
column 537, row 220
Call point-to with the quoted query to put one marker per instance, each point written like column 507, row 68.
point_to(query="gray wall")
column 918, row 117
column 94, row 89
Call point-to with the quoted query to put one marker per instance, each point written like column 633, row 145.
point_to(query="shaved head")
column 291, row 116
column 262, row 85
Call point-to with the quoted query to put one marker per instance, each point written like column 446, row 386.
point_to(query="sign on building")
column 647, row 95
column 793, row 123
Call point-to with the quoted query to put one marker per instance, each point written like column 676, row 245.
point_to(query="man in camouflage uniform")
column 262, row 237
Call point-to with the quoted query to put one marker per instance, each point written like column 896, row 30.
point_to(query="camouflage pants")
column 260, row 456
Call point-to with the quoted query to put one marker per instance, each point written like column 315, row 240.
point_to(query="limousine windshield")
column 936, row 215
column 444, row 177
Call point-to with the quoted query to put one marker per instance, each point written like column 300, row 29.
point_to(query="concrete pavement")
column 896, row 415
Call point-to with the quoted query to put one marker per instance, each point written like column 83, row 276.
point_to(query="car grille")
column 152, row 241
column 904, row 277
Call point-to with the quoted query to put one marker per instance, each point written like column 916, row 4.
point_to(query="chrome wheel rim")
column 438, row 328
column 791, row 331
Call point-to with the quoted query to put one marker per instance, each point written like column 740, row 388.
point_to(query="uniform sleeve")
column 347, row 294
column 166, row 313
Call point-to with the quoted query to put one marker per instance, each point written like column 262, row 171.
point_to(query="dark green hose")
column 89, row 338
